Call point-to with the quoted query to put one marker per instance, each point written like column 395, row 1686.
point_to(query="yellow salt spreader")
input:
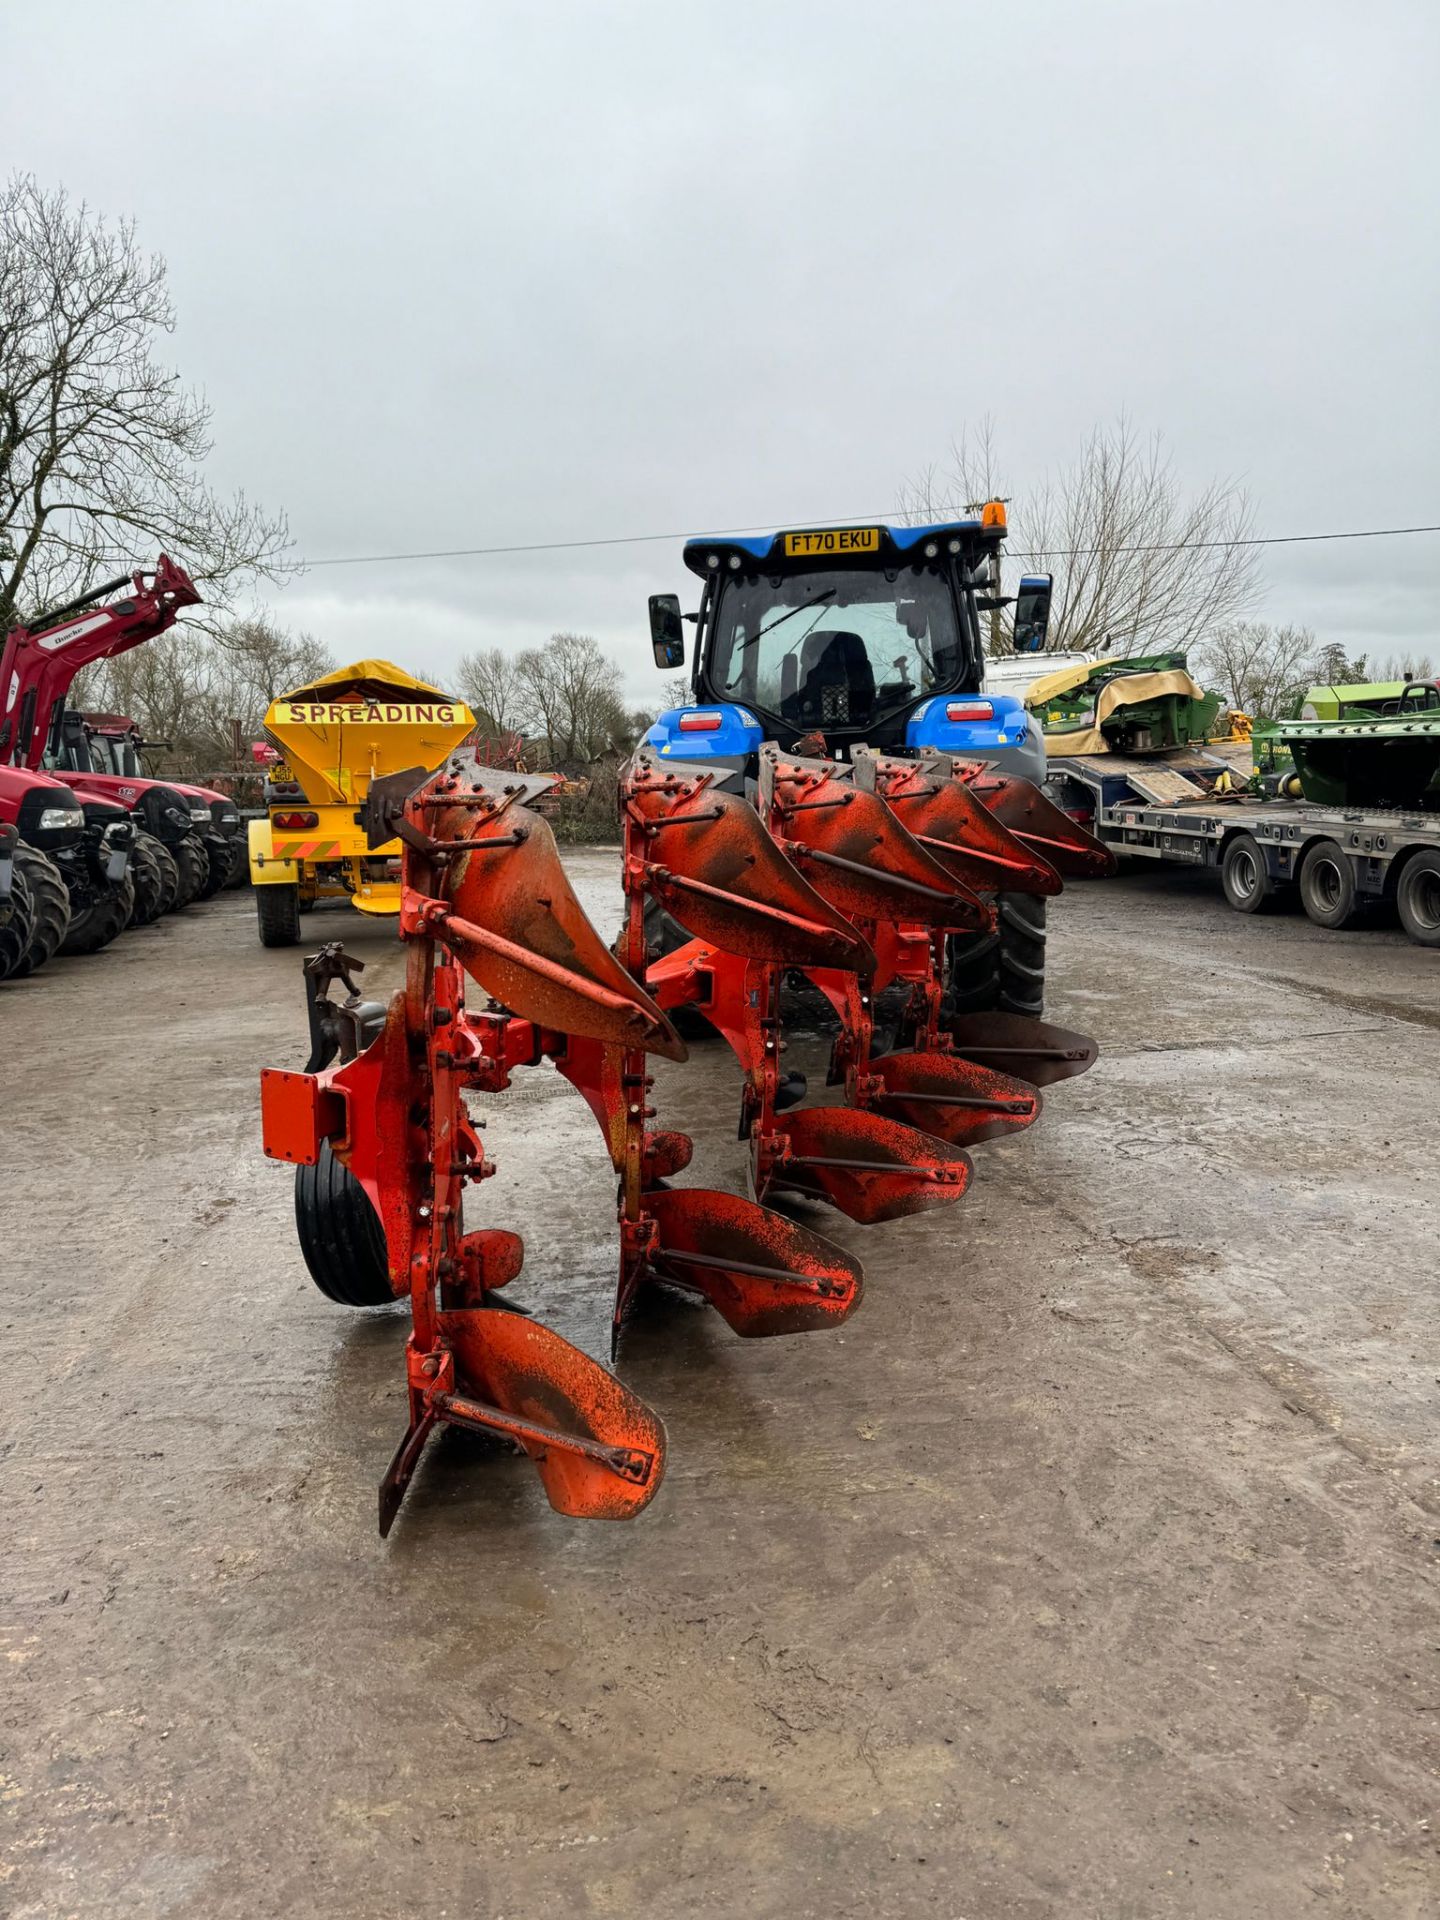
column 325, row 745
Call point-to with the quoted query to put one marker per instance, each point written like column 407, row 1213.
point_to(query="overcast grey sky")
column 462, row 274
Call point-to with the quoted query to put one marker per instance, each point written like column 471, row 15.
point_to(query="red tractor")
column 94, row 851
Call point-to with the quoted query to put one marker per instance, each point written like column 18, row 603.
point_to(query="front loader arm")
column 39, row 662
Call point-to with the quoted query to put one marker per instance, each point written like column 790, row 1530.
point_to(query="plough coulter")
column 857, row 869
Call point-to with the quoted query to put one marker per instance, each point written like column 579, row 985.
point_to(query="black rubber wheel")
column 340, row 1233
column 147, row 880
column 102, row 922
column 16, row 925
column 192, row 863
column 217, row 866
column 1245, row 877
column 1418, row 898
column 1327, row 885
column 50, row 908
column 239, row 873
column 278, row 911
column 1003, row 971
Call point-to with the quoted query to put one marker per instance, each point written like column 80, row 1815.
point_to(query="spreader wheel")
column 1003, row 971
column 278, row 911
column 15, row 925
column 340, row 1233
column 50, row 908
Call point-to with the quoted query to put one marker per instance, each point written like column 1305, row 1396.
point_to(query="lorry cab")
column 830, row 638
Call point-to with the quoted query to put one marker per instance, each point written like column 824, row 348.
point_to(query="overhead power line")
column 840, row 520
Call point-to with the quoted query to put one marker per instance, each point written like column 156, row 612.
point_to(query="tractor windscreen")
column 835, row 648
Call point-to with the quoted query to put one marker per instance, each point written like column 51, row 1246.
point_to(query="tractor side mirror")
column 1032, row 612
column 667, row 631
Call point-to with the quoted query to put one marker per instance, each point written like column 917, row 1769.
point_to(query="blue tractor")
column 825, row 640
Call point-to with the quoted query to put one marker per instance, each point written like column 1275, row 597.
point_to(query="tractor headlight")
column 57, row 819
column 200, row 815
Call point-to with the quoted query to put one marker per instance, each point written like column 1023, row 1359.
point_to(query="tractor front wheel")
column 147, row 878
column 16, row 925
column 1003, row 971
column 340, row 1234
column 193, row 866
column 278, row 911
column 49, row 904
column 102, row 922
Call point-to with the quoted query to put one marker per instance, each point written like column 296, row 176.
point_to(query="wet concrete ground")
column 1091, row 1570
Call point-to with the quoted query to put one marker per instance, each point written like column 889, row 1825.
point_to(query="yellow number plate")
column 841, row 540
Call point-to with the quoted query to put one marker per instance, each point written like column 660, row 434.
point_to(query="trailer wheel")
column 1004, row 971
column 1418, row 898
column 278, row 911
column 340, row 1234
column 193, row 865
column 1327, row 885
column 16, row 927
column 49, row 906
column 102, row 922
column 1248, row 883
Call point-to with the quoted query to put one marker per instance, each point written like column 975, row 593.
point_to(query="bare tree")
column 1140, row 565
column 1262, row 670
column 570, row 695
column 101, row 448
column 1405, row 666
column 187, row 689
column 491, row 682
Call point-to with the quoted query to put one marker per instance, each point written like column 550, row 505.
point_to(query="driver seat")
column 831, row 685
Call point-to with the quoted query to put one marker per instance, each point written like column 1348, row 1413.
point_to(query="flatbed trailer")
column 1343, row 862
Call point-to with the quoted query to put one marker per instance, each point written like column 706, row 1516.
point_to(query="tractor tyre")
column 239, row 873
column 193, row 864
column 278, row 911
column 169, row 877
column 1248, row 885
column 147, row 881
column 16, row 926
column 1327, row 885
column 1003, row 971
column 102, row 922
column 50, row 908
column 1418, row 898
column 217, row 866
column 340, row 1234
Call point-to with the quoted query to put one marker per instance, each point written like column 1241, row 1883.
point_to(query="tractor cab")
column 833, row 638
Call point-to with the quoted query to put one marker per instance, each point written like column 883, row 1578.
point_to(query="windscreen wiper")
column 826, row 593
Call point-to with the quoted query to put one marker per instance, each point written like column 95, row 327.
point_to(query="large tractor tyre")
column 16, row 927
column 169, row 877
column 50, row 908
column 340, row 1234
column 278, row 911
column 1003, row 971
column 1418, row 898
column 147, row 880
column 239, row 870
column 1249, row 886
column 193, row 865
column 217, row 866
column 1327, row 885
column 102, row 922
